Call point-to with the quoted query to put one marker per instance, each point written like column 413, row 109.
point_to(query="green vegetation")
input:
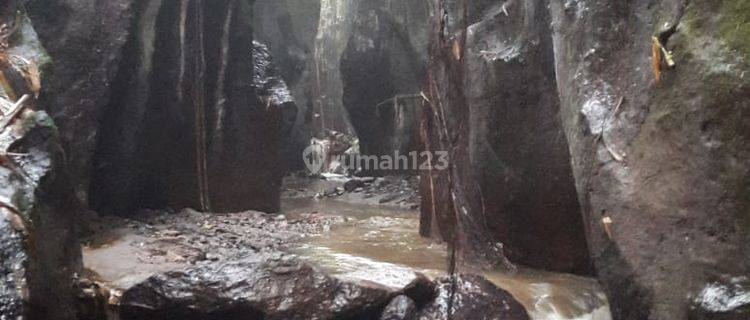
column 734, row 24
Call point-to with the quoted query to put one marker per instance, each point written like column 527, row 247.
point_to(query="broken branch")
column 15, row 111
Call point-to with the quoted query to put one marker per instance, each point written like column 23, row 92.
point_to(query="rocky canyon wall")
column 289, row 29
column 660, row 152
column 159, row 104
column 648, row 101
column 39, row 252
column 383, row 70
column 494, row 107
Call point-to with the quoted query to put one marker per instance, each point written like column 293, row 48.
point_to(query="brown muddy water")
column 383, row 245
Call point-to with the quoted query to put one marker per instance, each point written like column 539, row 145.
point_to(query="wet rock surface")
column 39, row 254
column 660, row 154
column 255, row 288
column 387, row 191
column 400, row 308
column 272, row 88
column 334, row 30
column 645, row 112
column 84, row 41
column 225, row 267
column 190, row 237
column 723, row 299
column 495, row 109
column 192, row 265
column 473, row 298
column 289, row 28
column 382, row 70
column 187, row 123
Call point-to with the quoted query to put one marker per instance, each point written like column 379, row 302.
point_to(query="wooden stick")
column 15, row 111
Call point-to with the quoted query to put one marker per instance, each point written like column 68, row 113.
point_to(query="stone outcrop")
column 495, row 107
column 186, row 124
column 277, row 286
column 251, row 289
column 660, row 154
column 39, row 252
column 289, row 29
column 358, row 69
column 293, row 134
column 334, row 30
column 653, row 106
column 84, row 41
column 153, row 98
column 472, row 297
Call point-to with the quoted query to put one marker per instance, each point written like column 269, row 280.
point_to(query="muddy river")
column 383, row 245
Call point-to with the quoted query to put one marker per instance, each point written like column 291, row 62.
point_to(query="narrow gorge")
column 383, row 159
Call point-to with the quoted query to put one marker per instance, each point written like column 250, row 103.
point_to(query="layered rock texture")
column 39, row 253
column 593, row 137
column 163, row 107
column 660, row 159
column 647, row 101
column 383, row 69
column 289, row 29
column 495, row 108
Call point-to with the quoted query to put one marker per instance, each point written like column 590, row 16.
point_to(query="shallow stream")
column 383, row 245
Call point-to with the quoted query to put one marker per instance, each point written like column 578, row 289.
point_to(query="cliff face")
column 495, row 107
column 661, row 163
column 647, row 101
column 346, row 61
column 85, row 43
column 289, row 29
column 383, row 70
column 594, row 137
column 164, row 111
column 39, row 253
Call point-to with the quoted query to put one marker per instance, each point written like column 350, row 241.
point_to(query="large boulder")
column 256, row 287
column 661, row 155
column 39, row 252
column 495, row 108
column 472, row 297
